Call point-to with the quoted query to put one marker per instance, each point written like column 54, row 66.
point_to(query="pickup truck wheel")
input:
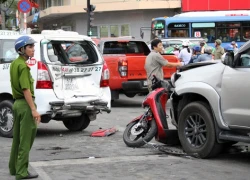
column 196, row 130
column 77, row 123
column 6, row 119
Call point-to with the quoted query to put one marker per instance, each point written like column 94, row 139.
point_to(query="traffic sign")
column 24, row 6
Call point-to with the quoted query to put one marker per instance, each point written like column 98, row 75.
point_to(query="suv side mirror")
column 229, row 59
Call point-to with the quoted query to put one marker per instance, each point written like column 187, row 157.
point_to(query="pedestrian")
column 155, row 61
column 185, row 54
column 219, row 51
column 25, row 114
column 206, row 56
column 235, row 46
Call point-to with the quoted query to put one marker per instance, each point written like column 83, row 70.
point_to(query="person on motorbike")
column 206, row 56
column 185, row 54
column 228, row 49
column 176, row 50
column 155, row 61
column 196, row 54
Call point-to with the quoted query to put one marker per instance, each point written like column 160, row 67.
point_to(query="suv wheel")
column 6, row 118
column 197, row 131
column 77, row 123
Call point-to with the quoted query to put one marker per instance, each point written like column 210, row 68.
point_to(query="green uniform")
column 24, row 130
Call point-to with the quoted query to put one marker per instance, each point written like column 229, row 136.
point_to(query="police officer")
column 26, row 116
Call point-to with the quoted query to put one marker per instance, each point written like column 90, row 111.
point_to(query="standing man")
column 219, row 51
column 202, row 46
column 26, row 116
column 155, row 61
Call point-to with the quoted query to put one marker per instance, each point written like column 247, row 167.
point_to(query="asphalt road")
column 58, row 154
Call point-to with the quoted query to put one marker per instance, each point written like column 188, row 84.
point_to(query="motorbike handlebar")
column 157, row 83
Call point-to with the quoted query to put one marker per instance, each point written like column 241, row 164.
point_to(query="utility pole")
column 88, row 14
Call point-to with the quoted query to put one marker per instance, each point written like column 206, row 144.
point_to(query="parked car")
column 69, row 86
column 125, row 58
column 210, row 105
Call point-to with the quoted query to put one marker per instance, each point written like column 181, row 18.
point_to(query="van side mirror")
column 229, row 59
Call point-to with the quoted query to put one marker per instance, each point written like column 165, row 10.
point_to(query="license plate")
column 70, row 84
column 145, row 83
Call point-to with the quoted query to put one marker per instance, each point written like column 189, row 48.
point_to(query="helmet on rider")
column 176, row 47
column 185, row 43
column 197, row 48
column 208, row 50
column 218, row 41
column 229, row 48
column 202, row 43
column 22, row 42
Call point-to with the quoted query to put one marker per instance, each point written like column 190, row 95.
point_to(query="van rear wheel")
column 77, row 123
column 6, row 118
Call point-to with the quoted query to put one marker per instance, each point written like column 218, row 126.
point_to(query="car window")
column 8, row 52
column 245, row 60
column 80, row 52
column 123, row 47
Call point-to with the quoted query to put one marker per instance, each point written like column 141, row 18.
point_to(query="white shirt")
column 185, row 56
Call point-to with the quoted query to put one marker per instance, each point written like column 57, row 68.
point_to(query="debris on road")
column 104, row 132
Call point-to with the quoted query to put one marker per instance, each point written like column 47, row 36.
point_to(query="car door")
column 235, row 93
column 75, row 68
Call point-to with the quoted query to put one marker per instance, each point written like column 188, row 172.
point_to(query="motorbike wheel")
column 142, row 137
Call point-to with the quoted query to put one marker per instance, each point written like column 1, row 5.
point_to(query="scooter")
column 153, row 123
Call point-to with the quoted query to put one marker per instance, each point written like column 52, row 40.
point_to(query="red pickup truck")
column 125, row 59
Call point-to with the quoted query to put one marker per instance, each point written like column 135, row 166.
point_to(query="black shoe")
column 30, row 176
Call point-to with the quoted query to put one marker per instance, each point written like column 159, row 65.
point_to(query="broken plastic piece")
column 104, row 132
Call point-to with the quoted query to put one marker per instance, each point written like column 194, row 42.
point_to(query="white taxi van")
column 70, row 76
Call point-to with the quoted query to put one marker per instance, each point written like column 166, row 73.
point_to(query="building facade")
column 112, row 18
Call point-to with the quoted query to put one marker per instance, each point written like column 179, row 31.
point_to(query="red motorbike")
column 153, row 123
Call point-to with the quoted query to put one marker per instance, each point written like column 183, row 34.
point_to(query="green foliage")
column 3, row 1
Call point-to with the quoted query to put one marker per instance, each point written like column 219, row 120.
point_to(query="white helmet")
column 185, row 43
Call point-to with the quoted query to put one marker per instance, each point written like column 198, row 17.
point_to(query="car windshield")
column 72, row 52
column 123, row 47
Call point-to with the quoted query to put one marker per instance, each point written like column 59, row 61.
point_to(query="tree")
column 3, row 1
column 8, row 11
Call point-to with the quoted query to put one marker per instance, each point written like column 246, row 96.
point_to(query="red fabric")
column 33, row 4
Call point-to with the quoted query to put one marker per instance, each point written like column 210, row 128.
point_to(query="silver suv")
column 210, row 105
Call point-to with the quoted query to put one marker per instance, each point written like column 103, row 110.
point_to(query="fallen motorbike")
column 153, row 123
